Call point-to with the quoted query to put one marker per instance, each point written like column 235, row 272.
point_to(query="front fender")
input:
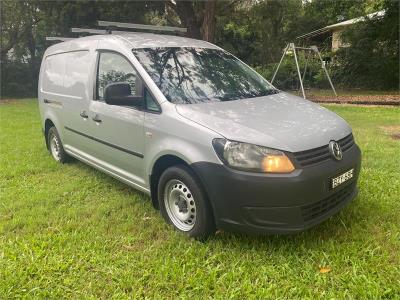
column 171, row 134
column 186, row 150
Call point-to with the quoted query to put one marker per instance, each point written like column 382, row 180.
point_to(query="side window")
column 53, row 74
column 150, row 103
column 115, row 68
column 76, row 78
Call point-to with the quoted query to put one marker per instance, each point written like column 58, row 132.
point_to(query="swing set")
column 313, row 50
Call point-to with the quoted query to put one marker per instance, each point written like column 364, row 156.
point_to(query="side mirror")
column 119, row 93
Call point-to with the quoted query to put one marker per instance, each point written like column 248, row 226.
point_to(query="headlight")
column 249, row 157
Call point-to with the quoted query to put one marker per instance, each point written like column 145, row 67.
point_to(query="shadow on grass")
column 108, row 179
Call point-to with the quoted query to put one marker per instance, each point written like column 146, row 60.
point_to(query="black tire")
column 55, row 146
column 204, row 224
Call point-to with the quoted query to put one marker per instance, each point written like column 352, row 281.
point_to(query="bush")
column 16, row 80
column 372, row 61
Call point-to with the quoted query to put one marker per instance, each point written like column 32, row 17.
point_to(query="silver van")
column 213, row 143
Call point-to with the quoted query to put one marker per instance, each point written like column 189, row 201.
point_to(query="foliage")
column 25, row 24
column 372, row 61
column 258, row 33
column 70, row 231
column 16, row 80
column 325, row 12
column 255, row 31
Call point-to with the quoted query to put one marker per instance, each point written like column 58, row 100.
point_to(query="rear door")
column 52, row 91
column 66, row 89
column 77, row 81
column 118, row 130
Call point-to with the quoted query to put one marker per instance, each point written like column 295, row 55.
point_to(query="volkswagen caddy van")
column 213, row 143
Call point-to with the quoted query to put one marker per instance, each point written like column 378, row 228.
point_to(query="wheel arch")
column 50, row 119
column 162, row 163
column 47, row 125
column 159, row 165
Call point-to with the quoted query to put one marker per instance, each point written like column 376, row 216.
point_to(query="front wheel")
column 184, row 204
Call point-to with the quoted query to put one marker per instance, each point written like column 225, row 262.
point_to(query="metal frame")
column 112, row 25
column 88, row 30
column 58, row 38
column 313, row 49
column 97, row 31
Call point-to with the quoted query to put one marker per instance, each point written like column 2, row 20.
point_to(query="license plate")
column 342, row 178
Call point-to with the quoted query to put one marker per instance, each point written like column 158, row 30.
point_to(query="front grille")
column 319, row 208
column 317, row 155
column 346, row 142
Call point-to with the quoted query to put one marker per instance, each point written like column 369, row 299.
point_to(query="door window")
column 150, row 104
column 53, row 75
column 115, row 68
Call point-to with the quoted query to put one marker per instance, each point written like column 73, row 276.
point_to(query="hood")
column 281, row 121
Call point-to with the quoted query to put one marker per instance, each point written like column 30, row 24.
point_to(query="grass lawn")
column 71, row 231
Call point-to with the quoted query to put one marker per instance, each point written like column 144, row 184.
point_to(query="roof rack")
column 58, row 38
column 112, row 25
column 96, row 31
column 88, row 30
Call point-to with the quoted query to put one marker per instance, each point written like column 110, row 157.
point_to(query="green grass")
column 70, row 231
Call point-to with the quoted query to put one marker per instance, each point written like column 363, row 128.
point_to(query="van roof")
column 139, row 40
column 151, row 40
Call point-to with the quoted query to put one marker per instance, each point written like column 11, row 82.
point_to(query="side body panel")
column 120, row 129
column 169, row 133
column 78, row 83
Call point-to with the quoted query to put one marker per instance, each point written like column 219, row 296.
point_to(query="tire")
column 184, row 204
column 56, row 148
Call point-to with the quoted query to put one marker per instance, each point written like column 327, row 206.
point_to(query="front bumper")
column 278, row 203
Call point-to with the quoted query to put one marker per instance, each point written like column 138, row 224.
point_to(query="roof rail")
column 96, row 31
column 58, row 38
column 112, row 25
column 89, row 30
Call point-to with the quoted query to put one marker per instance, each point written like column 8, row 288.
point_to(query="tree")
column 25, row 24
column 198, row 17
column 255, row 31
column 18, row 20
column 372, row 60
column 208, row 27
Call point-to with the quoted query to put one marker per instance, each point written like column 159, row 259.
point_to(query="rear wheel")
column 184, row 204
column 55, row 146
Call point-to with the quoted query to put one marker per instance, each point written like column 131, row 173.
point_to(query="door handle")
column 83, row 114
column 96, row 119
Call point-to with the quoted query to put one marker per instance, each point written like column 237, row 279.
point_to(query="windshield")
column 196, row 75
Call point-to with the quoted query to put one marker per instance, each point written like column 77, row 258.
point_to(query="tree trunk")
column 31, row 44
column 185, row 11
column 208, row 31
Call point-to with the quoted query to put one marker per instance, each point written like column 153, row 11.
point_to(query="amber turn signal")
column 277, row 164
